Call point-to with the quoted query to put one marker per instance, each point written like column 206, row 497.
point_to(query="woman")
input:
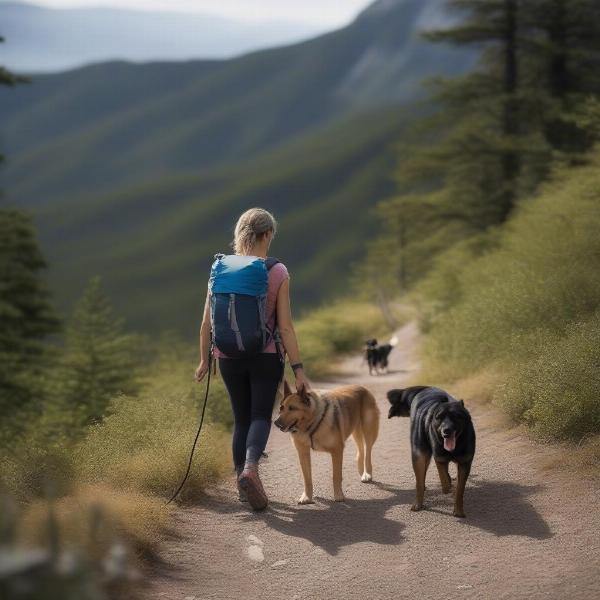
column 252, row 383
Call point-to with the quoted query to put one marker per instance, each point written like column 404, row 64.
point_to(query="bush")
column 144, row 443
column 526, row 305
column 557, row 393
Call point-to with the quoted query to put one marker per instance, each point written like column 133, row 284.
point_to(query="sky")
column 321, row 12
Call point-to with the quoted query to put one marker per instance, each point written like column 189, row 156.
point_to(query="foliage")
column 527, row 304
column 498, row 131
column 97, row 363
column 145, row 442
column 26, row 314
column 556, row 391
column 52, row 550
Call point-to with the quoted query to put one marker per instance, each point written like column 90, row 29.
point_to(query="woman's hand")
column 301, row 381
column 201, row 371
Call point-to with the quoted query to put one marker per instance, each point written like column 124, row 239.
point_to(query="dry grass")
column 582, row 458
column 94, row 517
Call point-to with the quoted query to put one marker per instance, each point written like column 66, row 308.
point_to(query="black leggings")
column 252, row 385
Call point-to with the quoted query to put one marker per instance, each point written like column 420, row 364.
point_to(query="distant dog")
column 440, row 426
column 377, row 356
column 323, row 422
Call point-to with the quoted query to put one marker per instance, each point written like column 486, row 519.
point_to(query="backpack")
column 238, row 304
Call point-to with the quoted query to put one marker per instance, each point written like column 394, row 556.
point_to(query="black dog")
column 440, row 426
column 377, row 356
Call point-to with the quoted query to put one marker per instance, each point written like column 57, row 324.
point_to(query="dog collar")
column 318, row 424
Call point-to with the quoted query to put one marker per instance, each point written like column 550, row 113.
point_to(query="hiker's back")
column 243, row 304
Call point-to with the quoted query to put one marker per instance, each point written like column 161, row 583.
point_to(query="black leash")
column 210, row 359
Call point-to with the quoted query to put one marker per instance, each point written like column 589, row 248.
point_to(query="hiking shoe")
column 250, row 482
column 241, row 492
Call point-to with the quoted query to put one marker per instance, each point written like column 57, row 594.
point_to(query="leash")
column 210, row 359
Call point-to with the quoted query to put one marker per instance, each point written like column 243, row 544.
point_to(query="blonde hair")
column 253, row 224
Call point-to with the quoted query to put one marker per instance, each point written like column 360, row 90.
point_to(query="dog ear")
column 304, row 396
column 462, row 403
column 287, row 390
column 394, row 395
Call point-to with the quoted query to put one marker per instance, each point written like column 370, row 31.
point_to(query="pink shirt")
column 277, row 275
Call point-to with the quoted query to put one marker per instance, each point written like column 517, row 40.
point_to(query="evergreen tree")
column 98, row 361
column 563, row 60
column 497, row 131
column 486, row 108
column 26, row 315
column 9, row 79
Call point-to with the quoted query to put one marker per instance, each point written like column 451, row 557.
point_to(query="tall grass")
column 526, row 302
column 119, row 472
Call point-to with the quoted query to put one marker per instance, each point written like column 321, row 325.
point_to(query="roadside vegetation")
column 98, row 422
column 492, row 230
column 528, row 307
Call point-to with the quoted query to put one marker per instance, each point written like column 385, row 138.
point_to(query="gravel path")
column 529, row 533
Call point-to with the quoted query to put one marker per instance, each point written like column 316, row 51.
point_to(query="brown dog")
column 323, row 422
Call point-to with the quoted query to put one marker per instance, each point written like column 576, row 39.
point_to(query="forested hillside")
column 137, row 172
column 113, row 124
column 154, row 243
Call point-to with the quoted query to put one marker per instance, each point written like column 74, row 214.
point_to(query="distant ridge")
column 114, row 124
column 137, row 172
column 44, row 39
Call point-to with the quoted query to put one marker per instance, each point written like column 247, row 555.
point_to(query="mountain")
column 137, row 172
column 49, row 40
column 153, row 244
column 114, row 124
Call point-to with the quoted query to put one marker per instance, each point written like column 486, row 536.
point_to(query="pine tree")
column 486, row 108
column 496, row 131
column 98, row 361
column 26, row 315
column 563, row 60
column 9, row 79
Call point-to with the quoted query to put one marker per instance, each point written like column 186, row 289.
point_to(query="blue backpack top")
column 238, row 304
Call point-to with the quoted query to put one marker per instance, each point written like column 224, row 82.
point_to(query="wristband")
column 297, row 366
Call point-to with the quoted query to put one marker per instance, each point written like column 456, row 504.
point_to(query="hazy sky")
column 323, row 12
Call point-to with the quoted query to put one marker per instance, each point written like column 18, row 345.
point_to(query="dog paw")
column 416, row 507
column 304, row 499
column 339, row 497
column 366, row 478
column 459, row 513
column 447, row 490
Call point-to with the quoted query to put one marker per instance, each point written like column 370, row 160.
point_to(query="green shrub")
column 543, row 275
column 33, row 469
column 557, row 392
column 144, row 443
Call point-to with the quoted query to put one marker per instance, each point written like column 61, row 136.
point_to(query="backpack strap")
column 270, row 262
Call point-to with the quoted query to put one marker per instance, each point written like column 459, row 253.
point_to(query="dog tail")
column 369, row 417
column 394, row 341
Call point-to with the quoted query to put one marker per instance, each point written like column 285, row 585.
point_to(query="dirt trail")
column 529, row 533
